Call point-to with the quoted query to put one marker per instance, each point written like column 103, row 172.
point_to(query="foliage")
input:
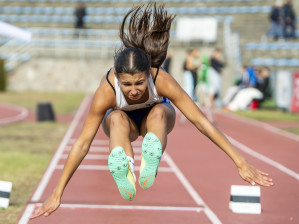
column 3, row 78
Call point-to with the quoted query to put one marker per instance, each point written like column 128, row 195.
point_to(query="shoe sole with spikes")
column 151, row 156
column 120, row 169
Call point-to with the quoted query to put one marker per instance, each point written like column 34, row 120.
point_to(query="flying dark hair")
column 146, row 41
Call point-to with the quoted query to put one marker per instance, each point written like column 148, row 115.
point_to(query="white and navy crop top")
column 121, row 103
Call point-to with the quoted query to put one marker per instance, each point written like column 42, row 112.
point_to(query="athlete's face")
column 133, row 86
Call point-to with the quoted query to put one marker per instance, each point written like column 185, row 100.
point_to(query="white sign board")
column 5, row 189
column 201, row 29
column 283, row 89
column 245, row 199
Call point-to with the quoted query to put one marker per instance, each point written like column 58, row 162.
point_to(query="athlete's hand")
column 47, row 208
column 254, row 176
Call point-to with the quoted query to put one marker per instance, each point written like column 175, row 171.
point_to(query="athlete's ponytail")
column 148, row 31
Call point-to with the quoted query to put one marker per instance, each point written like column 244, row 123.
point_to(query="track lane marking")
column 100, row 149
column 27, row 213
column 189, row 188
column 104, row 142
column 260, row 124
column 53, row 165
column 22, row 113
column 128, row 207
column 104, row 167
column 263, row 158
column 257, row 155
column 102, row 157
column 46, row 177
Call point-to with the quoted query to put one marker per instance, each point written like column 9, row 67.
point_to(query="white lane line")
column 92, row 148
column 46, row 177
column 22, row 113
column 104, row 167
column 94, row 142
column 192, row 192
column 27, row 213
column 130, row 207
column 30, row 208
column 102, row 157
column 104, row 142
column 263, row 158
column 100, row 149
column 262, row 124
column 89, row 157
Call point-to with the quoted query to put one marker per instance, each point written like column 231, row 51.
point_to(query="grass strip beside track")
column 270, row 115
column 27, row 147
column 63, row 103
column 269, row 112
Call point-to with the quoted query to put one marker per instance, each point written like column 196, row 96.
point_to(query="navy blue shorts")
column 138, row 115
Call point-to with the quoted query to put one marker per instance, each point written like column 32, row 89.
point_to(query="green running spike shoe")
column 151, row 156
column 120, row 169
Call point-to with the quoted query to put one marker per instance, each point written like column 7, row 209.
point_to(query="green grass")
column 25, row 151
column 269, row 115
column 269, row 112
column 63, row 103
column 293, row 130
column 26, row 148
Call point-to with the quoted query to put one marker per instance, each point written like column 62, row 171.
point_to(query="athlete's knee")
column 158, row 113
column 118, row 119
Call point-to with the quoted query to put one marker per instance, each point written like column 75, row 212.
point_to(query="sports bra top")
column 121, row 102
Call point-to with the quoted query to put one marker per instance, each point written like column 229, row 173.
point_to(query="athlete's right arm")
column 104, row 99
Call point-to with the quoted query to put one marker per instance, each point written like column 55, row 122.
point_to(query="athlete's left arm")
column 168, row 87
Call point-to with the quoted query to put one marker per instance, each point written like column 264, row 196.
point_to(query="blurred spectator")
column 190, row 67
column 214, row 76
column 245, row 96
column 80, row 13
column 216, row 60
column 202, row 76
column 248, row 79
column 276, row 18
column 202, row 88
column 202, row 85
column 289, row 27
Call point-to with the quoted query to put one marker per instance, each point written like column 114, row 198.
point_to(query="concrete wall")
column 58, row 75
column 50, row 74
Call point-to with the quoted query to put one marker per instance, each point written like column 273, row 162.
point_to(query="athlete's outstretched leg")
column 159, row 121
column 121, row 130
column 156, row 125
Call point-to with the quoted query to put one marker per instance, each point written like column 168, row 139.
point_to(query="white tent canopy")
column 10, row 31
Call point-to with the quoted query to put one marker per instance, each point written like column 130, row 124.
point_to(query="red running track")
column 12, row 113
column 193, row 184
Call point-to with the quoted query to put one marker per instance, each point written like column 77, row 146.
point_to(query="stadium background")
column 55, row 59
